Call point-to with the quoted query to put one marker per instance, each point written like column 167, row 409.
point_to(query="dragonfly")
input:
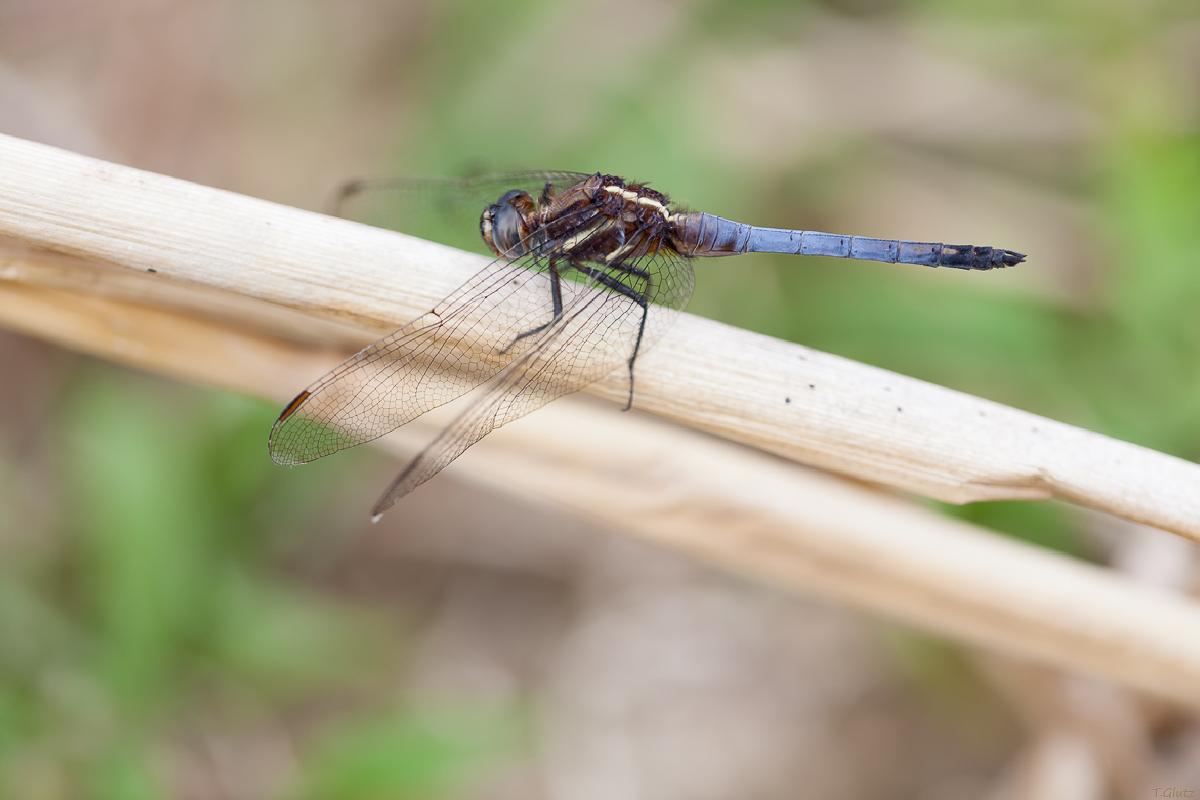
column 588, row 271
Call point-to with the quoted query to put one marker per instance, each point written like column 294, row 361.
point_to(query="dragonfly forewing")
column 440, row 209
column 464, row 341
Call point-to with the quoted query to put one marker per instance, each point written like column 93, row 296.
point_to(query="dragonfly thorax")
column 601, row 219
column 620, row 223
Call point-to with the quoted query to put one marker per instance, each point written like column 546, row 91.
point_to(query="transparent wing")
column 459, row 344
column 596, row 334
column 444, row 210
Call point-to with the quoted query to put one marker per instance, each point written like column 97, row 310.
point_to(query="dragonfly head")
column 505, row 224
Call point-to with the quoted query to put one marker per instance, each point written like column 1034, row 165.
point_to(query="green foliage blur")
column 153, row 599
column 167, row 607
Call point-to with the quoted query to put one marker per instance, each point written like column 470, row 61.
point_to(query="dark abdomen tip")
column 965, row 256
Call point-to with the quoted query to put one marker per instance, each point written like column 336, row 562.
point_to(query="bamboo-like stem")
column 784, row 398
column 732, row 506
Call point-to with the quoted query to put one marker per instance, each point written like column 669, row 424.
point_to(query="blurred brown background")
column 180, row 618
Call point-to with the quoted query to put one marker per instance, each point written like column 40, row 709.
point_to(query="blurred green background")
column 181, row 618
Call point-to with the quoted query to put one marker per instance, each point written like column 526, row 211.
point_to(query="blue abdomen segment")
column 701, row 234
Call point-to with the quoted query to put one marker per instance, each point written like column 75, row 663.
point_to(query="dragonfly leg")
column 641, row 298
column 628, row 269
column 555, row 297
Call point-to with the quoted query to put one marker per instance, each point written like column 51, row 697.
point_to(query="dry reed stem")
column 784, row 398
column 729, row 505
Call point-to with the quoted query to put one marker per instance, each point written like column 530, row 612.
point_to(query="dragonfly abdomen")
column 699, row 234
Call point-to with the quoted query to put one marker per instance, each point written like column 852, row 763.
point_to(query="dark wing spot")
column 292, row 406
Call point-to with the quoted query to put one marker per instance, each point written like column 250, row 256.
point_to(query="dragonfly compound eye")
column 503, row 225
